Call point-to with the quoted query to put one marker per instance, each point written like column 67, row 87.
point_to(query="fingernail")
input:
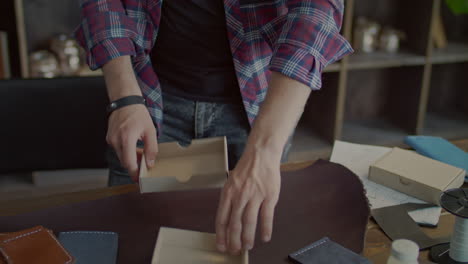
column 221, row 247
column 151, row 163
column 266, row 238
column 248, row 247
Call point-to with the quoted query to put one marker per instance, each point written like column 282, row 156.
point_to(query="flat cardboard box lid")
column 202, row 164
column 176, row 246
column 419, row 168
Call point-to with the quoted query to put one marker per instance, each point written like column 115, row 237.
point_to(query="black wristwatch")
column 125, row 101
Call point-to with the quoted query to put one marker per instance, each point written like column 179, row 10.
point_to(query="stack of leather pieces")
column 325, row 199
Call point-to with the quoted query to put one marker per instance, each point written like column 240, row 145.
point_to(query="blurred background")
column 408, row 75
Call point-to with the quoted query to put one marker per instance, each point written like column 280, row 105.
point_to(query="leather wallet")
column 91, row 247
column 326, row 251
column 34, row 245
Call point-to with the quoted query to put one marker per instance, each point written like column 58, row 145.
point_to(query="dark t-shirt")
column 192, row 56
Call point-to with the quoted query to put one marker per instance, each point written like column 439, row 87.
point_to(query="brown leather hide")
column 325, row 199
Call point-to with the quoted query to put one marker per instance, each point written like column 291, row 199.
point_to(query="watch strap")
column 125, row 101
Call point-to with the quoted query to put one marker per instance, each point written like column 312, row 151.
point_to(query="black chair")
column 48, row 124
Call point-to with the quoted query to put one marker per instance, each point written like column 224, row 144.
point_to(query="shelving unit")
column 335, row 67
column 303, row 139
column 31, row 24
column 376, row 98
column 382, row 60
column 380, row 98
column 448, row 101
column 373, row 131
column 453, row 53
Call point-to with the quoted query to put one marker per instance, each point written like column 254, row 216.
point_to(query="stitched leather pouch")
column 326, row 251
column 34, row 245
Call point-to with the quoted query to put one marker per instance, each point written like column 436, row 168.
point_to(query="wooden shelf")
column 335, row 67
column 307, row 145
column 373, row 132
column 379, row 59
column 453, row 53
column 452, row 125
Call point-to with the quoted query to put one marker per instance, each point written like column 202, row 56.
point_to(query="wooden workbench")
column 377, row 245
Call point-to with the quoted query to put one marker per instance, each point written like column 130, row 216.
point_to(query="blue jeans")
column 185, row 120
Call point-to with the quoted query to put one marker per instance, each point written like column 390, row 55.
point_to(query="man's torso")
column 192, row 57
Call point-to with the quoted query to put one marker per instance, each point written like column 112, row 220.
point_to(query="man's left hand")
column 252, row 188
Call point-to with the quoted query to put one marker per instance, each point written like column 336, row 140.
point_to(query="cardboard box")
column 175, row 246
column 202, row 164
column 415, row 175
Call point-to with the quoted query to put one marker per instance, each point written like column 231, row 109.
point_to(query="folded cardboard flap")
column 175, row 246
column 202, row 164
column 415, row 175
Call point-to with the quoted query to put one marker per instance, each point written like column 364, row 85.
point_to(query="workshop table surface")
column 377, row 244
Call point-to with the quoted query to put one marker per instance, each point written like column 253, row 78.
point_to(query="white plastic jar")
column 404, row 252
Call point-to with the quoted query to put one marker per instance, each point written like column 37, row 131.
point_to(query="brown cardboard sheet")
column 325, row 199
column 397, row 224
column 175, row 246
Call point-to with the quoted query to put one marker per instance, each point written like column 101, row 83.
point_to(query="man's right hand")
column 131, row 123
column 127, row 125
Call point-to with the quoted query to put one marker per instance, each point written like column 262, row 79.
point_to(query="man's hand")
column 127, row 125
column 131, row 123
column 252, row 188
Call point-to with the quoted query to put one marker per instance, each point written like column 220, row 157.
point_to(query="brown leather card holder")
column 34, row 245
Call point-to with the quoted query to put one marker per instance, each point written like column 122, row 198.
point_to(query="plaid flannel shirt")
column 297, row 38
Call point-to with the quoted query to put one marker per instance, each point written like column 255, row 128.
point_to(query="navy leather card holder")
column 89, row 247
column 326, row 251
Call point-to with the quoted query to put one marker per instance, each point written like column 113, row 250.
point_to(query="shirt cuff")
column 108, row 50
column 104, row 40
column 301, row 65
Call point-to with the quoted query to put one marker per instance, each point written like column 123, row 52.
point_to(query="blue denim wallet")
column 89, row 247
column 326, row 251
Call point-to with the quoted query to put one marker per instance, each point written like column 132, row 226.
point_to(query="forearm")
column 120, row 78
column 253, row 187
column 128, row 124
column 279, row 114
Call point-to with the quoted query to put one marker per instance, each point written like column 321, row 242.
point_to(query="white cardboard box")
column 415, row 175
column 202, row 164
column 176, row 246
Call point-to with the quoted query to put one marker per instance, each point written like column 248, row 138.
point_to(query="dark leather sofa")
column 52, row 124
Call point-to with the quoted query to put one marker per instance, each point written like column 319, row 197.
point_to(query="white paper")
column 358, row 159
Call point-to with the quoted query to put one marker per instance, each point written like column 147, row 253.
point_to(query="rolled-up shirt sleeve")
column 310, row 40
column 106, row 31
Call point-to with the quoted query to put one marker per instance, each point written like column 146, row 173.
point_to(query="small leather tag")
column 34, row 245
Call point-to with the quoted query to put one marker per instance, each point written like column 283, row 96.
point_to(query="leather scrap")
column 324, row 199
column 397, row 224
